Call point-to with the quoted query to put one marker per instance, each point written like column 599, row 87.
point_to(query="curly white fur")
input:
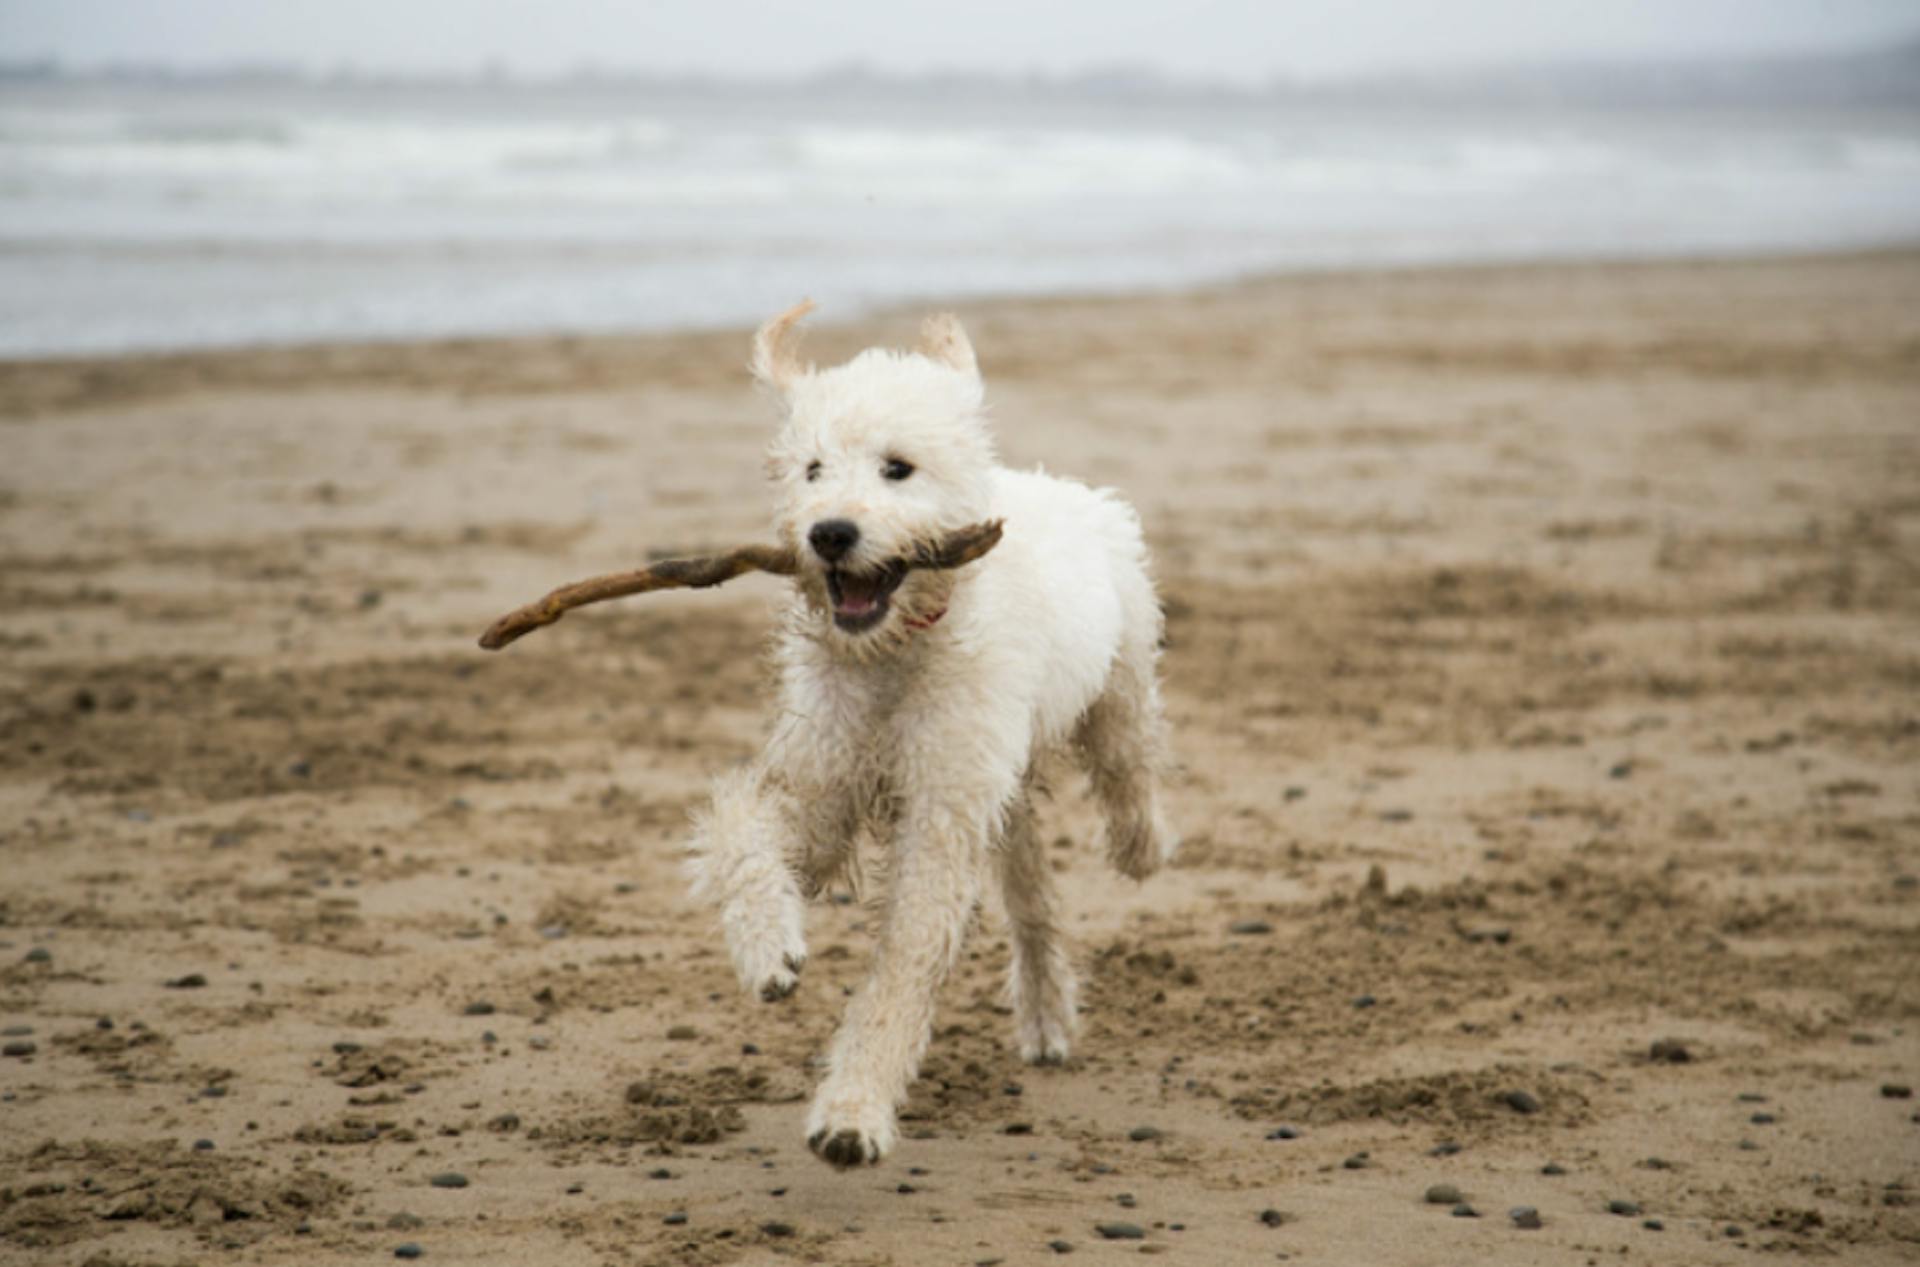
column 925, row 728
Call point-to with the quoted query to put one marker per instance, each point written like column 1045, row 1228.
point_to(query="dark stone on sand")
column 1520, row 1101
column 682, row 1034
column 1896, row 1091
column 504, row 1123
column 301, row 769
column 905, row 1190
column 1621, row 770
column 1445, row 1148
column 449, row 1179
column 17, row 1031
column 202, row 1145
column 479, row 1007
column 675, row 1219
column 1284, row 1132
column 1525, row 1217
column 1626, row 1209
column 1671, row 1051
column 1465, row 1211
column 192, row 981
column 1397, row 816
column 1762, row 1119
column 1126, row 1200
column 1443, row 1194
column 661, row 1173
column 105, row 1022
column 1019, row 1128
column 1734, row 1230
column 1272, row 1217
column 1250, row 928
column 20, row 1048
column 39, row 954
column 1142, row 1134
column 1121, row 1231
column 411, row 1249
column 1365, row 1001
column 1359, row 1161
column 1654, row 1225
column 405, row 1222
column 777, row 1229
column 1294, row 793
column 1060, row 1247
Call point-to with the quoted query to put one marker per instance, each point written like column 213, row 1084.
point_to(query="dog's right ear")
column 774, row 362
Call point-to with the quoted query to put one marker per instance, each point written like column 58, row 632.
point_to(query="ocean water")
column 144, row 216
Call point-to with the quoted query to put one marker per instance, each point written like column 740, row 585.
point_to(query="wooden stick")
column 956, row 550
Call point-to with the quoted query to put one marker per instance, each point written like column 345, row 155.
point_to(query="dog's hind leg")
column 1122, row 742
column 1040, row 982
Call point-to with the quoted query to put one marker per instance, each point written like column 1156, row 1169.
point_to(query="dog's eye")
column 897, row 469
column 813, row 472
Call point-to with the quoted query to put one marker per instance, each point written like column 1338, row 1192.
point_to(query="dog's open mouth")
column 860, row 599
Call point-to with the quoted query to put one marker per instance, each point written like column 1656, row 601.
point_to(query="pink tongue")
column 855, row 605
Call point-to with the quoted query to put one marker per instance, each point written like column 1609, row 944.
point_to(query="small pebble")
column 1250, row 928
column 1465, row 1211
column 1762, row 1119
column 1896, row 1091
column 20, row 1048
column 1272, row 1217
column 1520, row 1101
column 777, row 1229
column 17, row 1031
column 1356, row 1162
column 202, row 1145
column 479, row 1007
column 1443, row 1194
column 304, row 770
column 1019, row 1128
column 682, row 1034
column 1626, row 1209
column 192, row 981
column 449, row 1179
column 1121, row 1231
column 1126, row 1201
column 410, row 1249
column 1445, row 1148
column 1365, row 1001
column 1553, row 1168
column 1735, row 1230
column 1142, row 1134
column 1671, row 1051
column 1060, row 1247
column 39, row 954
column 1653, row 1225
column 404, row 1222
column 675, row 1219
column 1525, row 1217
column 1283, row 1132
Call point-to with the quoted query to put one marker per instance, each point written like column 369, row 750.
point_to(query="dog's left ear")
column 942, row 340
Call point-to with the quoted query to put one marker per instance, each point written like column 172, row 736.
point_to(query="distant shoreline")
column 708, row 358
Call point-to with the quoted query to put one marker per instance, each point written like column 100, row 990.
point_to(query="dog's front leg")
column 740, row 856
column 938, row 863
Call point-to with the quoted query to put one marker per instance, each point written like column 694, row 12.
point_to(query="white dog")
column 916, row 703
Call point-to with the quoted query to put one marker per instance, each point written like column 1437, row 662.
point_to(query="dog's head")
column 877, row 460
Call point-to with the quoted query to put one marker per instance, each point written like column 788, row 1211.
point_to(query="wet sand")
column 1544, row 660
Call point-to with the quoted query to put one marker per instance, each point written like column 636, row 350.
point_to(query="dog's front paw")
column 849, row 1130
column 782, row 981
column 769, row 945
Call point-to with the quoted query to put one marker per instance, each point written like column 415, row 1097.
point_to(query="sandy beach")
column 1543, row 660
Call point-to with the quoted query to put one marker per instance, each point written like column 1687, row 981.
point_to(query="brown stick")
column 956, row 550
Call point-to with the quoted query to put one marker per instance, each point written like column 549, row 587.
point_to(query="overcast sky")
column 1232, row 39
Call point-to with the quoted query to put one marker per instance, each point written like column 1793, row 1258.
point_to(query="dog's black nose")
column 832, row 538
